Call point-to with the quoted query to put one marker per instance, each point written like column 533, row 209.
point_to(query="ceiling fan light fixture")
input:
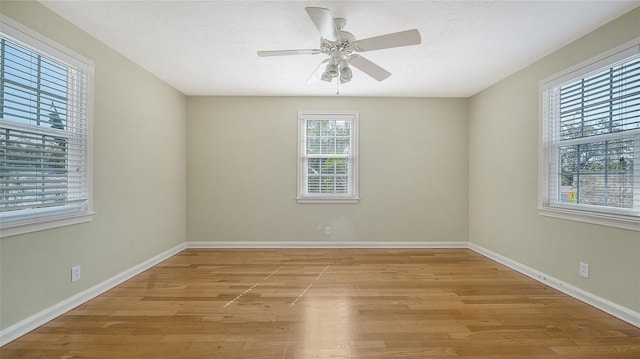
column 345, row 74
column 326, row 77
column 332, row 69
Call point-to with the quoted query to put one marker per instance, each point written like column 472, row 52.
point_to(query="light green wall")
column 242, row 171
column 503, row 181
column 431, row 170
column 139, row 181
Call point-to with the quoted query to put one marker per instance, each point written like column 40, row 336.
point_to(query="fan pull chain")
column 337, row 87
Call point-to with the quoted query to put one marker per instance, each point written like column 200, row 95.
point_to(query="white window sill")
column 23, row 228
column 610, row 220
column 328, row 200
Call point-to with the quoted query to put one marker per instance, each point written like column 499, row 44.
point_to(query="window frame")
column 32, row 220
column 305, row 197
column 600, row 215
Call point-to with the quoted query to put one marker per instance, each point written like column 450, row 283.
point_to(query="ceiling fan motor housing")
column 341, row 48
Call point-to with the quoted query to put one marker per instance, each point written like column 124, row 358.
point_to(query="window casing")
column 45, row 148
column 327, row 157
column 590, row 150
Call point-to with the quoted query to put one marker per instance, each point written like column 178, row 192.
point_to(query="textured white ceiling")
column 209, row 47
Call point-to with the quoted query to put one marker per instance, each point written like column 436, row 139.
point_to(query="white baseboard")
column 24, row 326
column 326, row 244
column 606, row 306
column 28, row 324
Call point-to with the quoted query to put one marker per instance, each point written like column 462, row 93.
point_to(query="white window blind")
column 44, row 133
column 591, row 137
column 327, row 161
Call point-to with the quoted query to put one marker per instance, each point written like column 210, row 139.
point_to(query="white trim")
column 605, row 305
column 328, row 200
column 613, row 55
column 548, row 181
column 325, row 244
column 45, row 45
column 38, row 43
column 622, row 222
column 48, row 223
column 353, row 196
column 28, row 324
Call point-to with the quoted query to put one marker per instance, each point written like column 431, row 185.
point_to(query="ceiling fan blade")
column 396, row 39
column 369, row 67
column 323, row 21
column 289, row 52
column 317, row 73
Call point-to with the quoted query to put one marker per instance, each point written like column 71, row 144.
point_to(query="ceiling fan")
column 340, row 46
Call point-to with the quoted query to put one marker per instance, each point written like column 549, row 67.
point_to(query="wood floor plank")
column 330, row 303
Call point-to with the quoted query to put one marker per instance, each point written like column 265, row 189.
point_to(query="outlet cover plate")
column 584, row 269
column 75, row 273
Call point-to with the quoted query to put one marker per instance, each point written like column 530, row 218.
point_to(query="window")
column 591, row 141
column 327, row 157
column 44, row 133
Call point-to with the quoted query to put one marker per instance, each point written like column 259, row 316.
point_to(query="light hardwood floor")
column 331, row 303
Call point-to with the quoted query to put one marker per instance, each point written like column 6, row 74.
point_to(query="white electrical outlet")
column 584, row 269
column 75, row 273
column 327, row 230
